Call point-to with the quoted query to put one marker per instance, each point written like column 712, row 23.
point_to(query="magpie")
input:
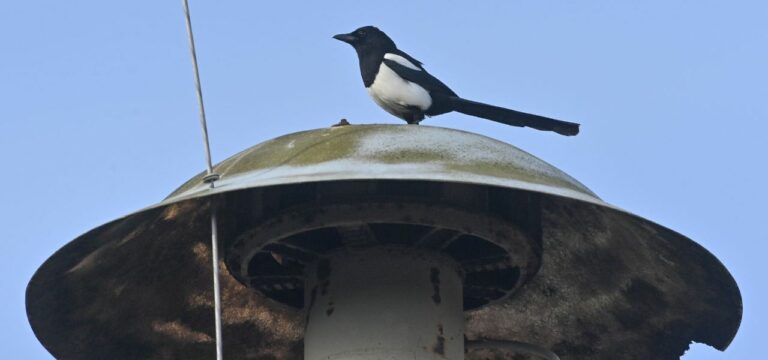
column 400, row 85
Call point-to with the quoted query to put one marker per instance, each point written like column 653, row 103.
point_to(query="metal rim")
column 496, row 257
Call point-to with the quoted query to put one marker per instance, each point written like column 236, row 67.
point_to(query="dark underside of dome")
column 610, row 285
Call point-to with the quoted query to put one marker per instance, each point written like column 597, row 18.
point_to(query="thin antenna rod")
column 210, row 178
column 216, row 293
column 199, row 89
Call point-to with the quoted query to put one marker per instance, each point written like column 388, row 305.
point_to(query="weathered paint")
column 393, row 152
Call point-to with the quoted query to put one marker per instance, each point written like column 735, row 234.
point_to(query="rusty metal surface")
column 616, row 287
column 611, row 285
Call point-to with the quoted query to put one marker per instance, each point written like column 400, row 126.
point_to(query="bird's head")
column 368, row 39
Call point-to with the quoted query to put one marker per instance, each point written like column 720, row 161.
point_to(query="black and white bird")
column 400, row 84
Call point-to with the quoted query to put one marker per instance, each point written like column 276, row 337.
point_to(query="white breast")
column 396, row 94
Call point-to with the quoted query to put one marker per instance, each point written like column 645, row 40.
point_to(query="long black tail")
column 512, row 117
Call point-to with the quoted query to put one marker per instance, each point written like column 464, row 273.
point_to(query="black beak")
column 347, row 38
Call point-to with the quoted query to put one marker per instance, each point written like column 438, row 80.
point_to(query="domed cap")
column 387, row 152
column 610, row 283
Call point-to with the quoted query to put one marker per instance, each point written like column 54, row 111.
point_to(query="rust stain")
column 93, row 258
column 324, row 287
column 178, row 331
column 323, row 273
column 312, row 297
column 434, row 278
column 439, row 347
column 132, row 235
column 239, row 305
column 88, row 261
column 173, row 211
column 202, row 253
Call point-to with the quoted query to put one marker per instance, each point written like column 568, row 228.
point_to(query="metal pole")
column 210, row 178
column 216, row 292
column 384, row 303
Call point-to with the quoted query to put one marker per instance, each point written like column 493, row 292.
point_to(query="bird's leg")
column 342, row 122
column 416, row 118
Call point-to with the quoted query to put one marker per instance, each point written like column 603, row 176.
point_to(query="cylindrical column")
column 384, row 303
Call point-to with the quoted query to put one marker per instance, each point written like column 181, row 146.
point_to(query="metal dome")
column 610, row 284
column 387, row 152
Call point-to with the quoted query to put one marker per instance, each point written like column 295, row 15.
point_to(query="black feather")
column 512, row 117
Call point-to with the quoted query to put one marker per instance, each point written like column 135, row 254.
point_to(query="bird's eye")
column 361, row 33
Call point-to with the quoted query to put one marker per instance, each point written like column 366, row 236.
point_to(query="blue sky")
column 98, row 114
